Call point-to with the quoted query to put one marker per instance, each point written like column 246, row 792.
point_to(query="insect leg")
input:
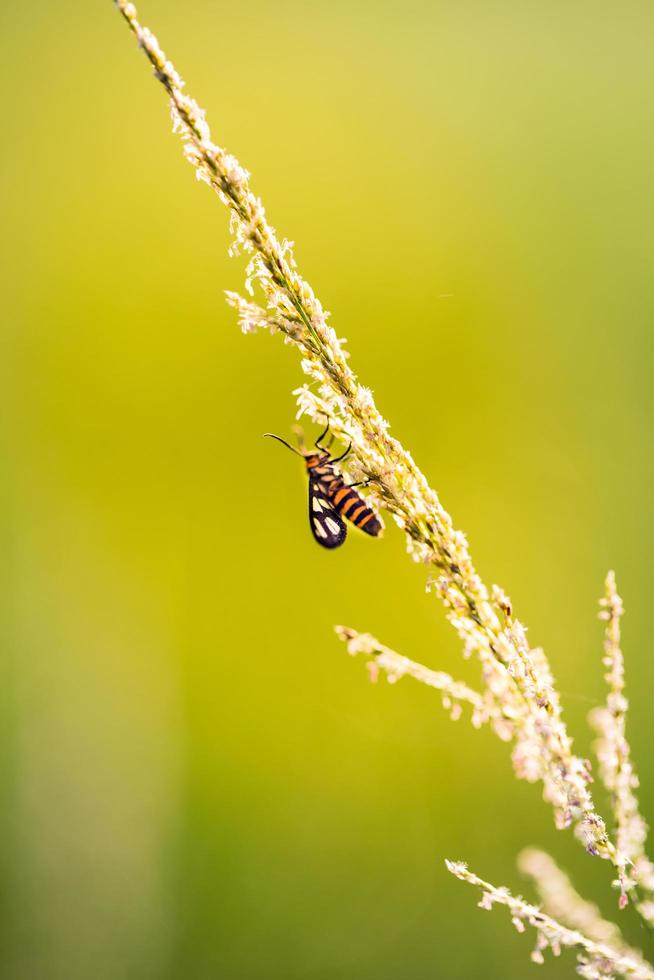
column 337, row 459
column 322, row 436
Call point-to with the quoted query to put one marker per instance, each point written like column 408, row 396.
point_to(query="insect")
column 330, row 498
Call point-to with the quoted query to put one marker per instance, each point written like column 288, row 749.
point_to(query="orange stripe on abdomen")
column 351, row 502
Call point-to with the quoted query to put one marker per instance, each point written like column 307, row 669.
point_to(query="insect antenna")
column 271, row 435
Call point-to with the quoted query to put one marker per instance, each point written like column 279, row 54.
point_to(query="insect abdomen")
column 348, row 503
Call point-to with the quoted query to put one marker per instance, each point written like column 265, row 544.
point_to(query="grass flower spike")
column 518, row 678
column 614, row 756
column 562, row 902
column 596, row 960
column 517, row 695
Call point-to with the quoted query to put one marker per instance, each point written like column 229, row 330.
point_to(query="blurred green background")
column 197, row 782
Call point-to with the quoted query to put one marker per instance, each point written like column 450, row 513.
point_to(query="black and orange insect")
column 330, row 498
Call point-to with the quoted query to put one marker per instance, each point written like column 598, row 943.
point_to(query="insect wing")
column 327, row 526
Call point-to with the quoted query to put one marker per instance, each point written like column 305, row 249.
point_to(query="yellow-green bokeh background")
column 197, row 782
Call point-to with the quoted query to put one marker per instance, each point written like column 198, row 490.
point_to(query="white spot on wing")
column 320, row 531
column 317, row 506
column 332, row 525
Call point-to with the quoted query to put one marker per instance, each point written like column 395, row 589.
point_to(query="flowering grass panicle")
column 518, row 697
column 614, row 757
column 454, row 694
column 596, row 960
column 518, row 678
column 560, row 899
